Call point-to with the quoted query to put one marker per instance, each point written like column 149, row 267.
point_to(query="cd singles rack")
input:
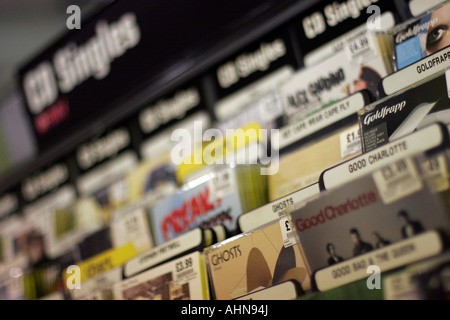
column 274, row 157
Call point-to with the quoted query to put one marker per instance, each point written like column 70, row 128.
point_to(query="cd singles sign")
column 48, row 85
column 91, row 75
column 73, row 64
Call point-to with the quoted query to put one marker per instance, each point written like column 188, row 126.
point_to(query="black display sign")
column 172, row 107
column 9, row 203
column 255, row 61
column 124, row 49
column 45, row 181
column 328, row 20
column 108, row 145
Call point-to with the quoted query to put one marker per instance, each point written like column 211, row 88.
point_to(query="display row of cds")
column 315, row 178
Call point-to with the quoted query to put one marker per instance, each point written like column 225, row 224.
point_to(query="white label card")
column 275, row 209
column 163, row 252
column 318, row 121
column 417, row 72
column 402, row 253
column 181, row 277
column 419, row 141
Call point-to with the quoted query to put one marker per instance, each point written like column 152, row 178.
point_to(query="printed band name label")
column 416, row 72
column 161, row 253
column 393, row 256
column 426, row 139
column 319, row 120
column 276, row 209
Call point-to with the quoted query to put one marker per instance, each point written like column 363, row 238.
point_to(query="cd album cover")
column 303, row 167
column 253, row 261
column 424, row 280
column 390, row 205
column 313, row 88
column 402, row 113
column 216, row 198
column 420, row 37
column 181, row 279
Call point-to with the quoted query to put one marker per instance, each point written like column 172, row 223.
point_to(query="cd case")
column 255, row 260
column 218, row 197
column 402, row 113
column 420, row 37
column 181, row 279
column 388, row 218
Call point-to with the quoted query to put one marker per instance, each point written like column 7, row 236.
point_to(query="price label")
column 222, row 184
column 287, row 232
column 183, row 264
column 436, row 171
column 350, row 142
column 397, row 180
column 184, row 271
column 360, row 48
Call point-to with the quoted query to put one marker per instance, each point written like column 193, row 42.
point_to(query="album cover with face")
column 420, row 37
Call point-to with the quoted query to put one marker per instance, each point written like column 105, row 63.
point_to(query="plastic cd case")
column 217, row 197
column 253, row 261
column 181, row 279
column 388, row 218
column 315, row 87
column 402, row 113
column 420, row 37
